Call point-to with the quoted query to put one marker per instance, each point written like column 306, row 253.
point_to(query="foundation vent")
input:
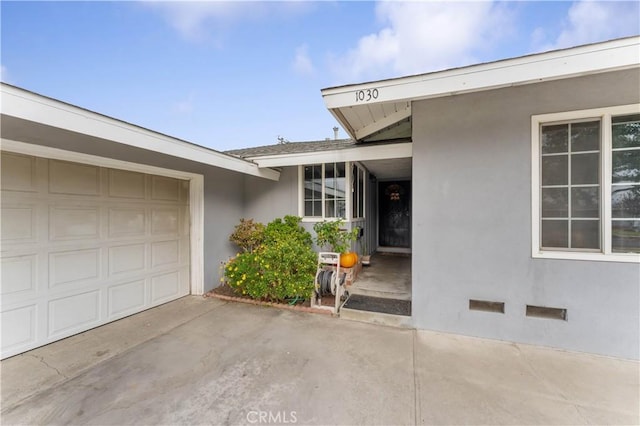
column 545, row 312
column 486, row 306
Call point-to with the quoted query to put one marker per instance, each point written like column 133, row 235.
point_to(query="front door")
column 395, row 214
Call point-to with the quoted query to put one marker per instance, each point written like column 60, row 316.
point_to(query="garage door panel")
column 19, row 223
column 18, row 327
column 165, row 287
column 164, row 221
column 19, row 274
column 78, row 266
column 68, row 223
column 165, row 253
column 126, row 298
column 165, row 189
column 125, row 184
column 73, row 178
column 126, row 259
column 126, row 222
column 71, row 313
column 84, row 245
column 18, row 173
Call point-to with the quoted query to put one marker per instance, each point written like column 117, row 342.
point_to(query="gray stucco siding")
column 472, row 223
column 265, row 200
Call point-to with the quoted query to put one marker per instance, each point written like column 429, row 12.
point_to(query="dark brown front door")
column 394, row 199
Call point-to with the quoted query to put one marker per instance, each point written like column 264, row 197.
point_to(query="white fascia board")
column 363, row 153
column 583, row 60
column 21, row 104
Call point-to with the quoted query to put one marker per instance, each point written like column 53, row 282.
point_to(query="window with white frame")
column 325, row 190
column 586, row 193
column 357, row 191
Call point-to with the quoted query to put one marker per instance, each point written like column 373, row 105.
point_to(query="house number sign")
column 366, row 95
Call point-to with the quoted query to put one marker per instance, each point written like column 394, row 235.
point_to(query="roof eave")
column 26, row 105
column 596, row 58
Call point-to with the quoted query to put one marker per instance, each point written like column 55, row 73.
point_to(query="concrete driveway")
column 203, row 361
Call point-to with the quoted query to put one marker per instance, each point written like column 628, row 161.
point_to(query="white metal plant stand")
column 329, row 282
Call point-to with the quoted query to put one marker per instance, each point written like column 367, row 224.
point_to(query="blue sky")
column 237, row 74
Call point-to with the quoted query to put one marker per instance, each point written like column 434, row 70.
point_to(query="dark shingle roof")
column 293, row 148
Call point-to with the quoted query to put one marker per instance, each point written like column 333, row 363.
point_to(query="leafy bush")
column 331, row 234
column 248, row 234
column 282, row 267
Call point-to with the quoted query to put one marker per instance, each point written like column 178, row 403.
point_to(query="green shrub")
column 248, row 234
column 331, row 234
column 282, row 267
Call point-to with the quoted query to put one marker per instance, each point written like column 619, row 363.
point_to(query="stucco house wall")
column 265, row 200
column 472, row 223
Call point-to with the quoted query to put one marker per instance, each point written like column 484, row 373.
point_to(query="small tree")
column 248, row 234
column 331, row 234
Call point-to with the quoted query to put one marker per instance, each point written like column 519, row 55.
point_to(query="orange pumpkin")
column 347, row 260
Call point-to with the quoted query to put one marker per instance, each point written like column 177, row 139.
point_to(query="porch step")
column 372, row 292
column 379, row 318
column 377, row 310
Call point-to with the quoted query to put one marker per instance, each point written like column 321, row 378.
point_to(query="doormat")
column 379, row 304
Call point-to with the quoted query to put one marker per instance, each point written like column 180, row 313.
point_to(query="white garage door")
column 84, row 245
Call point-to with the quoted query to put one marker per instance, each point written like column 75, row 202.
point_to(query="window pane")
column 555, row 202
column 308, row 208
column 625, row 201
column 354, row 192
column 585, row 234
column 585, row 136
column 626, row 166
column 585, row 202
column 625, row 236
column 341, row 208
column 555, row 233
column 585, row 169
column 626, row 131
column 317, row 208
column 341, row 181
column 329, row 208
column 555, row 170
column 555, row 138
column 361, row 193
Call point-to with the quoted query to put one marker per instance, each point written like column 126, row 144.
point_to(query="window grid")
column 324, row 190
column 612, row 215
column 569, row 186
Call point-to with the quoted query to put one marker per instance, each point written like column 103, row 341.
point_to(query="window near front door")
column 357, row 191
column 587, row 184
column 325, row 190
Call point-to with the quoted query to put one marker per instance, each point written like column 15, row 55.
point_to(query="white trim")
column 196, row 194
column 604, row 114
column 25, row 105
column 582, row 60
column 359, row 153
column 343, row 101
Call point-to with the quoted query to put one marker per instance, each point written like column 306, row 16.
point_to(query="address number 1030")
column 366, row 95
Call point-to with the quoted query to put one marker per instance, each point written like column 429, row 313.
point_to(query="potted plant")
column 331, row 234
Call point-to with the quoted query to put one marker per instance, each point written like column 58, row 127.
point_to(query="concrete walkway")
column 204, row 361
column 388, row 276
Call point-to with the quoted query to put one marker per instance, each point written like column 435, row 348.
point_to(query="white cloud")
column 593, row 21
column 4, row 74
column 199, row 20
column 302, row 62
column 424, row 36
